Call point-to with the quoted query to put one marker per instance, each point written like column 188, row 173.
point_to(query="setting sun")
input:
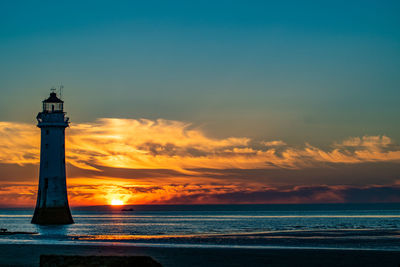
column 117, row 202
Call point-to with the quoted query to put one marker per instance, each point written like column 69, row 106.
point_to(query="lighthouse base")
column 53, row 215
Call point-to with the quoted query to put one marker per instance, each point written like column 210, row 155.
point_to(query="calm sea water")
column 366, row 226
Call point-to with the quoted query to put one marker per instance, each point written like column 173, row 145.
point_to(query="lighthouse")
column 52, row 200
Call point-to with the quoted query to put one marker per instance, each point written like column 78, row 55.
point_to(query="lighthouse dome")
column 53, row 104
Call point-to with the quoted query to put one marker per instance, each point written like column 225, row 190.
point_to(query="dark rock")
column 89, row 261
column 17, row 233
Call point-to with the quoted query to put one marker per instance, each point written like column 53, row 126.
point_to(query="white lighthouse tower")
column 52, row 200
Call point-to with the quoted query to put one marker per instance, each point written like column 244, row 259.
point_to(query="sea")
column 322, row 226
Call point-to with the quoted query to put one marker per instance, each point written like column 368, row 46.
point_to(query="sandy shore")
column 28, row 255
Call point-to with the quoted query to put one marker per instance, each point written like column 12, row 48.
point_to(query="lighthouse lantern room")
column 53, row 104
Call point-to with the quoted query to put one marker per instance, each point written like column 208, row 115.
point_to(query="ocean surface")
column 330, row 226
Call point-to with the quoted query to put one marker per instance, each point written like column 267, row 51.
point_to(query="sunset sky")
column 186, row 102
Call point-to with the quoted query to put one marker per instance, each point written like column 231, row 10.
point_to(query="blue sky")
column 300, row 71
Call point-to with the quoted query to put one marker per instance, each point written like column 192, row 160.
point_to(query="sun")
column 117, row 202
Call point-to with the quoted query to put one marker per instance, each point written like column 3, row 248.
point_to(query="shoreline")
column 28, row 255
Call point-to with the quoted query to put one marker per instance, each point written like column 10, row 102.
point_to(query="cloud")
column 175, row 145
column 101, row 193
column 162, row 161
column 366, row 142
column 240, row 194
column 19, row 143
column 274, row 143
column 17, row 194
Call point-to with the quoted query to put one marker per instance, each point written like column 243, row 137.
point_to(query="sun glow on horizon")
column 117, row 202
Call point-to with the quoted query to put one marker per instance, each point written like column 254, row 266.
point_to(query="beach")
column 28, row 255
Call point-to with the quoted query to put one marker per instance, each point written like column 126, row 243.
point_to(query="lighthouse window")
column 47, row 132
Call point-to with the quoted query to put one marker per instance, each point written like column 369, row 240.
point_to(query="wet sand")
column 28, row 255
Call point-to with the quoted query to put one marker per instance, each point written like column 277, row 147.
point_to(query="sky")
column 176, row 102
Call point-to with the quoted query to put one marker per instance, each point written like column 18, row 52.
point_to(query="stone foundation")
column 89, row 261
column 58, row 215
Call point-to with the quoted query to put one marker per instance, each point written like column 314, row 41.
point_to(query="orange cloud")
column 274, row 143
column 165, row 144
column 366, row 142
column 19, row 143
column 103, row 193
column 163, row 161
